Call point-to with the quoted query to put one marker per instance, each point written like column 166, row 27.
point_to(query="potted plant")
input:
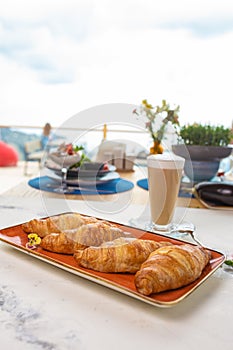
column 203, row 147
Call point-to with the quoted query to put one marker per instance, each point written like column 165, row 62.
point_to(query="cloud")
column 59, row 57
column 197, row 16
column 52, row 28
column 34, row 48
column 203, row 28
column 40, row 37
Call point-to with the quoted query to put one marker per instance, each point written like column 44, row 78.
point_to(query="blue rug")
column 143, row 183
column 48, row 184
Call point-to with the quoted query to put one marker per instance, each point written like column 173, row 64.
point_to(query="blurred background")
column 58, row 58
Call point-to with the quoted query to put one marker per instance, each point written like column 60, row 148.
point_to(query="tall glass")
column 164, row 177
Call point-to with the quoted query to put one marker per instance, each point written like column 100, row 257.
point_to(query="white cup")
column 164, row 177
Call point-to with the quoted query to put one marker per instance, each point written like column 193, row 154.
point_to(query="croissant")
column 56, row 223
column 125, row 254
column 58, row 243
column 69, row 241
column 171, row 267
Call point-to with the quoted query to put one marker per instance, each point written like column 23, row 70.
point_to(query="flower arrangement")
column 158, row 119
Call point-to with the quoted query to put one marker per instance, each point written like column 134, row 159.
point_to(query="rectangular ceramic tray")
column 121, row 282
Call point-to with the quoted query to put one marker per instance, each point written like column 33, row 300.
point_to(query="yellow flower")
column 34, row 239
column 146, row 104
column 164, row 103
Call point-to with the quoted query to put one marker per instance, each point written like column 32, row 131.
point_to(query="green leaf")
column 77, row 148
column 229, row 262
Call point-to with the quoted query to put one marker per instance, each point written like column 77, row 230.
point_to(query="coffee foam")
column 165, row 161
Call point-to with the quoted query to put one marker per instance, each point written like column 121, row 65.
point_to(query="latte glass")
column 164, row 177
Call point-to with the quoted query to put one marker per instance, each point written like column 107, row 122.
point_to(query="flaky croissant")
column 120, row 255
column 57, row 223
column 57, row 243
column 171, row 267
column 69, row 241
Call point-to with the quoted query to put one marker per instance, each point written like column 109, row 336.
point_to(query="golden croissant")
column 69, row 241
column 56, row 223
column 58, row 243
column 171, row 267
column 124, row 254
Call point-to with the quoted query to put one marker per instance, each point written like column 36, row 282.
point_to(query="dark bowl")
column 198, row 153
column 198, row 171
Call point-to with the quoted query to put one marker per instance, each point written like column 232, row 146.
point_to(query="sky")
column 60, row 57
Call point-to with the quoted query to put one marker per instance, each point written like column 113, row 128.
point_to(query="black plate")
column 215, row 193
column 87, row 170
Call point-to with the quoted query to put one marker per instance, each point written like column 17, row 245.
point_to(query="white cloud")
column 59, row 57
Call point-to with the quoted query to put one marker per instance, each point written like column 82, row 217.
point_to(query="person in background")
column 46, row 135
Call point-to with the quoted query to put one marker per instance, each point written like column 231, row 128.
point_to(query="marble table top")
column 43, row 307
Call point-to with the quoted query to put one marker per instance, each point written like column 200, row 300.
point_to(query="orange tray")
column 121, row 282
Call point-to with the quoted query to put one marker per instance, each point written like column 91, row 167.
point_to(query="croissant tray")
column 121, row 282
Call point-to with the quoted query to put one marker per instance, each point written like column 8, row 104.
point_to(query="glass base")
column 178, row 230
column 175, row 230
column 163, row 229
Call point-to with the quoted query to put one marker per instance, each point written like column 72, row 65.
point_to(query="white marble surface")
column 43, row 307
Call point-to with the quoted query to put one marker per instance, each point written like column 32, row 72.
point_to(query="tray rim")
column 91, row 276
